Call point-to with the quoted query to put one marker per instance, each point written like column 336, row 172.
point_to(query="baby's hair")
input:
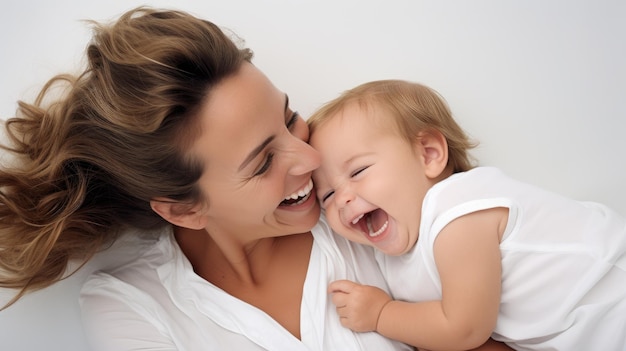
column 415, row 108
column 88, row 163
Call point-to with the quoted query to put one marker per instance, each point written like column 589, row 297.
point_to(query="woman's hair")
column 414, row 107
column 88, row 163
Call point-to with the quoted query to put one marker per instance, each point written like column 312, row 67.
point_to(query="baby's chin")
column 392, row 251
column 392, row 243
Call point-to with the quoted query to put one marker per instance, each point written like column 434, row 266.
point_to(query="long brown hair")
column 88, row 163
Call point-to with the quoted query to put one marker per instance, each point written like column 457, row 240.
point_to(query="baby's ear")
column 432, row 146
column 181, row 214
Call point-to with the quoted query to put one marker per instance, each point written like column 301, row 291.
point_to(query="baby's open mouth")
column 299, row 196
column 372, row 223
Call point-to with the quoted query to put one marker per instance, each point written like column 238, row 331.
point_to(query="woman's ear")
column 181, row 214
column 432, row 146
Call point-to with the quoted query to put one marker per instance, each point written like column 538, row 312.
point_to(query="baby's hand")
column 358, row 306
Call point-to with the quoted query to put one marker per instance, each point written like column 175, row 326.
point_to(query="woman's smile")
column 299, row 196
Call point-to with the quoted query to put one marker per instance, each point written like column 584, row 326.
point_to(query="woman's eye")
column 266, row 165
column 359, row 170
column 292, row 121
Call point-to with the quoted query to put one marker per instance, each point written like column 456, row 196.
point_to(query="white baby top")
column 157, row 302
column 563, row 262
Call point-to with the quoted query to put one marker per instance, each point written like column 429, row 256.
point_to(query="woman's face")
column 258, row 165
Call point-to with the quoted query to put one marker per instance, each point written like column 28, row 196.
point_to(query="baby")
column 468, row 252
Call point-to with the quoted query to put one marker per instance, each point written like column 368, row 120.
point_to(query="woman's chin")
column 302, row 215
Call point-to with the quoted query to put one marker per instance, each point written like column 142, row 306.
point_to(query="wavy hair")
column 87, row 164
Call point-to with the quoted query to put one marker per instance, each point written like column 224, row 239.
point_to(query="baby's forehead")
column 372, row 113
column 375, row 114
column 355, row 113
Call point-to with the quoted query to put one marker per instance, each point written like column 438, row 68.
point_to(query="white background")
column 539, row 83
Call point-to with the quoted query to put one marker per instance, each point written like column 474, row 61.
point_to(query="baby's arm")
column 467, row 255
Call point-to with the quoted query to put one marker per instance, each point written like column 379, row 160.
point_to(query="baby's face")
column 369, row 181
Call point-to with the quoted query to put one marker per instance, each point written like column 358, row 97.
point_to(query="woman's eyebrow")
column 255, row 152
column 261, row 146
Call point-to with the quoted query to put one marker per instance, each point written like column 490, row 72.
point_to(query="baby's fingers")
column 344, row 286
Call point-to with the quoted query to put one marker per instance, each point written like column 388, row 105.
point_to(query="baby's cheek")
column 335, row 221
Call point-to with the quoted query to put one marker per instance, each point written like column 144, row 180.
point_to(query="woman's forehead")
column 240, row 113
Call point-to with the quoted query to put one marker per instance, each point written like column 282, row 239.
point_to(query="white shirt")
column 157, row 302
column 563, row 262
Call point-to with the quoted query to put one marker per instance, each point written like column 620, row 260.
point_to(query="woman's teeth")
column 302, row 194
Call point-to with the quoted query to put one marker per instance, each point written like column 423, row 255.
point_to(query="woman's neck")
column 218, row 260
column 268, row 274
column 238, row 263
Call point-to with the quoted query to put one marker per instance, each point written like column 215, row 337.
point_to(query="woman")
column 173, row 137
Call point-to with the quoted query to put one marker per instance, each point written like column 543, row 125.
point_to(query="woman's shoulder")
column 123, row 300
column 132, row 260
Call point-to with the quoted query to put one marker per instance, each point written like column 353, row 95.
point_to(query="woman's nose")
column 306, row 159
